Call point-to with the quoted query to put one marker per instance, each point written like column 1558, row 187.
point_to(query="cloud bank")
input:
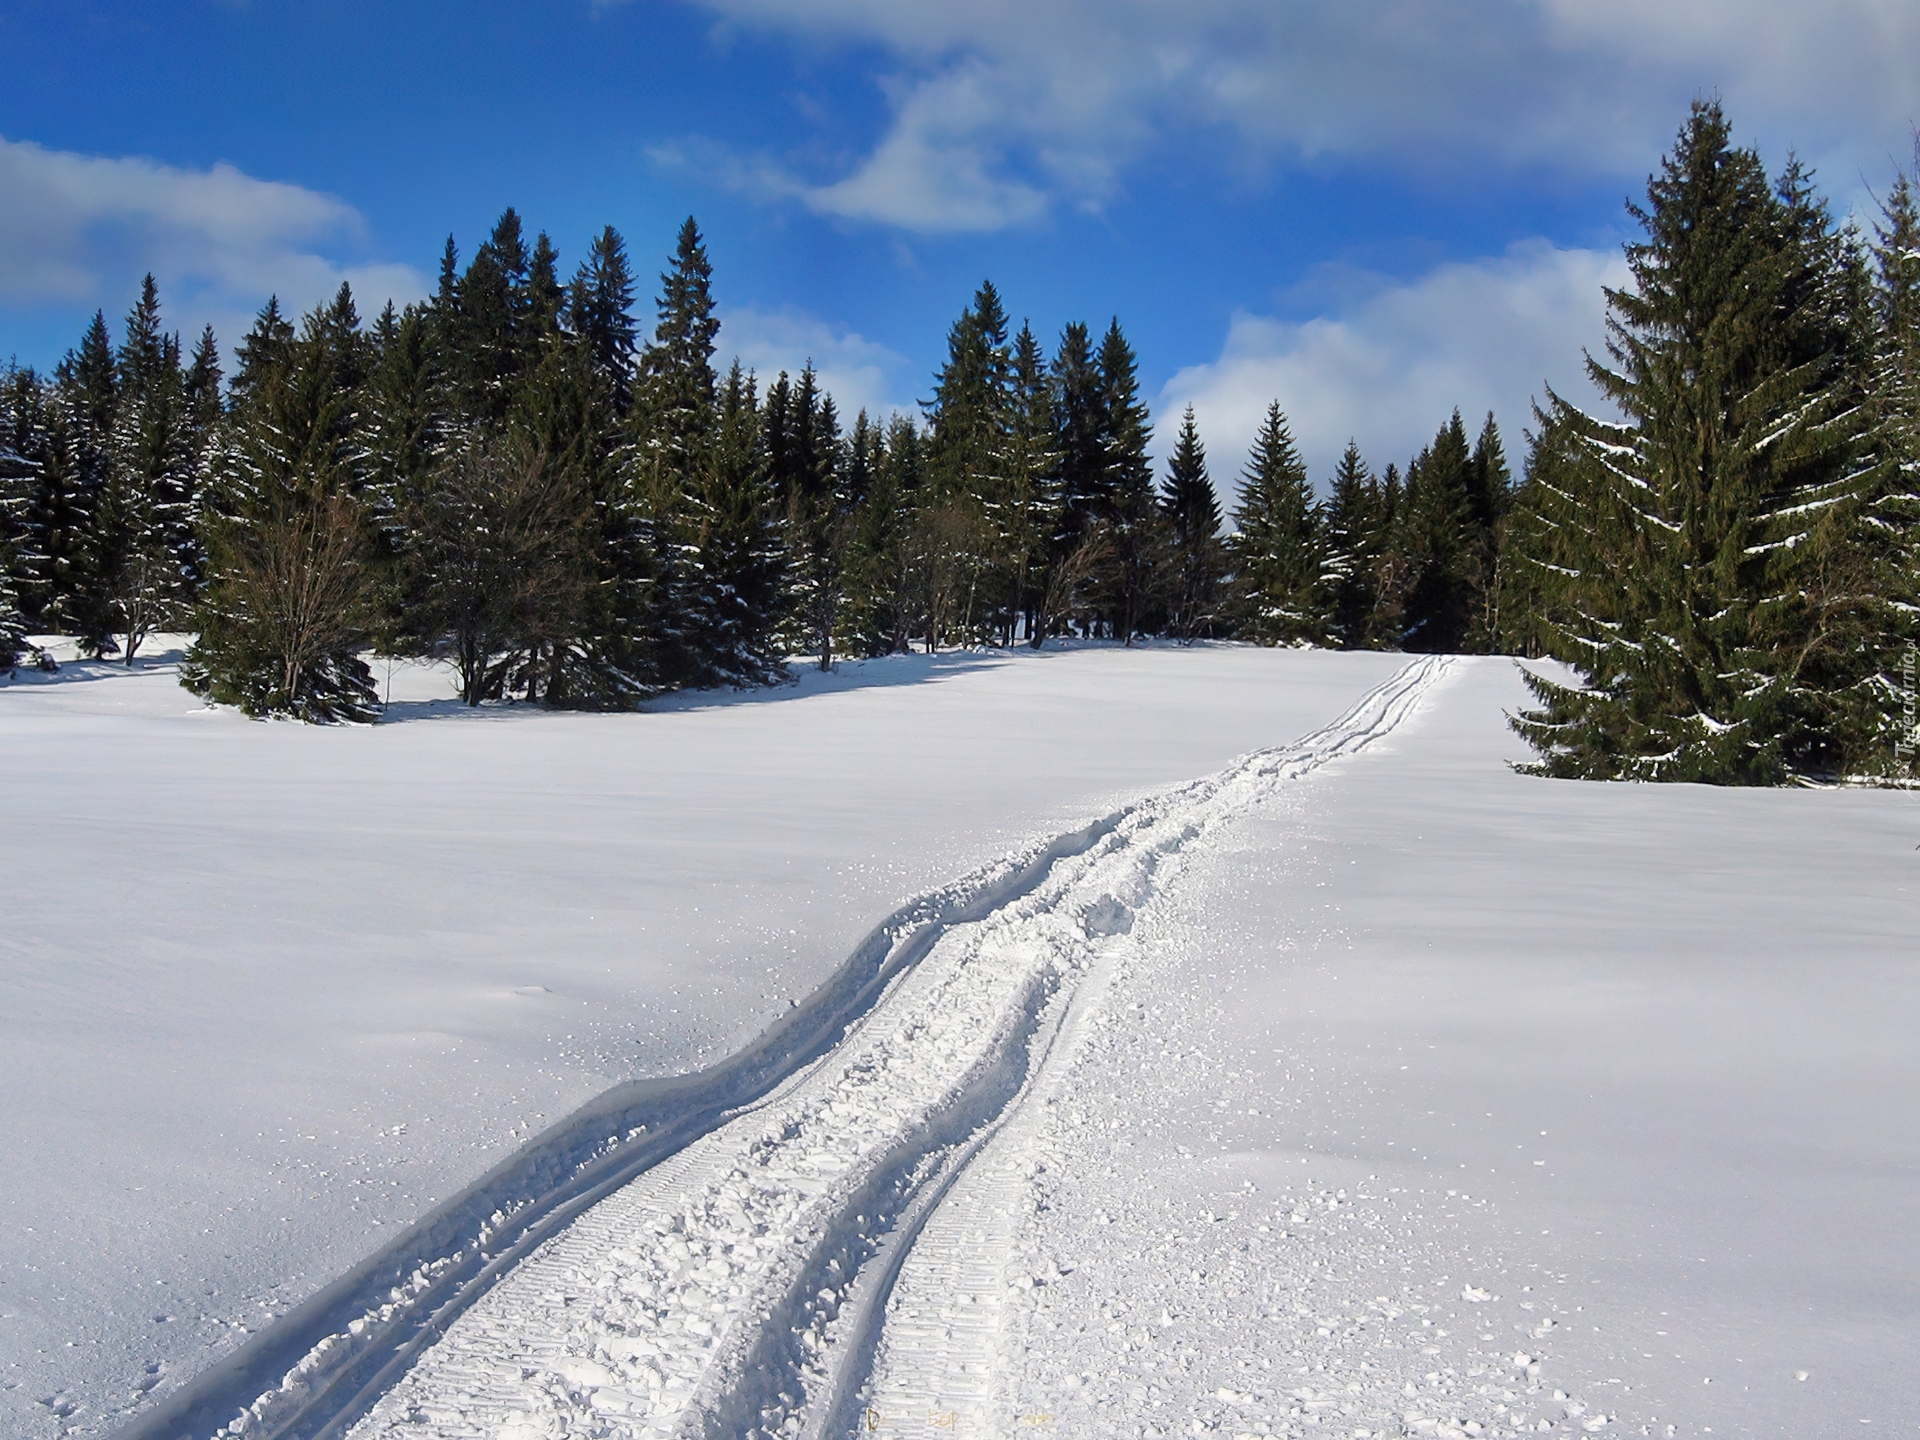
column 860, row 374
column 76, row 229
column 1001, row 109
column 1389, row 366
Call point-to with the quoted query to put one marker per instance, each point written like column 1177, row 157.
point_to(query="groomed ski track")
column 712, row 1255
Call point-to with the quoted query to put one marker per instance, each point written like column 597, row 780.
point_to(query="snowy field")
column 1366, row 1087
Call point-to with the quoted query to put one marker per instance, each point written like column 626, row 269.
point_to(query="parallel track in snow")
column 712, row 1255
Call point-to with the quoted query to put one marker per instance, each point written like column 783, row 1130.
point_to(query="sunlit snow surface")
column 266, row 991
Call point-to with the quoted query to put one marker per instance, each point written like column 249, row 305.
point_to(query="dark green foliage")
column 1196, row 559
column 968, row 520
column 598, row 310
column 1355, row 538
column 1439, row 536
column 1276, row 545
column 20, row 422
column 492, row 321
column 13, row 625
column 1031, row 492
column 1136, row 530
column 736, row 556
column 677, row 379
column 499, row 546
column 1703, row 556
column 810, row 472
column 883, row 599
column 147, row 552
column 970, row 415
column 286, row 606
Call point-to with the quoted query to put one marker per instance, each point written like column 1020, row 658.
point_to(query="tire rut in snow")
column 720, row 1294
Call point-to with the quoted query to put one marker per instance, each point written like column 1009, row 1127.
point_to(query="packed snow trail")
column 735, row 1286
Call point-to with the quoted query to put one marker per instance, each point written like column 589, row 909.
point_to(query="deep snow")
column 1429, row 1068
column 271, row 990
column 1288, row 1175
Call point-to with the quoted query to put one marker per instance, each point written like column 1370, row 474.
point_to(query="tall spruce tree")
column 1354, row 539
column 1704, row 550
column 1441, row 540
column 1891, row 536
column 599, row 307
column 22, row 408
column 1135, row 523
column 148, row 553
column 1196, row 556
column 737, row 559
column 285, row 609
column 1276, row 545
column 820, row 516
column 1032, row 467
column 970, row 413
column 676, row 368
column 672, row 424
column 971, row 511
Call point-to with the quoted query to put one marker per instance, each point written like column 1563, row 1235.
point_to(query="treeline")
column 510, row 477
column 513, row 477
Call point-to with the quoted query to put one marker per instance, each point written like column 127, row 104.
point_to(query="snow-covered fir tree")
column 1275, row 549
column 1355, row 538
column 1708, row 583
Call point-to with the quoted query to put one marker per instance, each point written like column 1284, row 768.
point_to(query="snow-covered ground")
column 1427, row 1067
column 268, row 991
column 1366, row 1088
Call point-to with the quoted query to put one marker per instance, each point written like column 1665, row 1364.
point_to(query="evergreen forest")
column 578, row 509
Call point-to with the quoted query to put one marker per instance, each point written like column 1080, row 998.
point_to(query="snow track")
column 712, row 1255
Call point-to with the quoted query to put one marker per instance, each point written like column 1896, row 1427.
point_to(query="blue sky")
column 1371, row 211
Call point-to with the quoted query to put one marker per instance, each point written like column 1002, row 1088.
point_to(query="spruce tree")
column 1197, row 557
column 73, row 482
column 970, row 414
column 973, row 501
column 739, row 566
column 1276, row 546
column 1032, row 469
column 1890, row 536
column 672, row 434
column 1138, row 535
column 1531, row 587
column 1706, row 548
column 263, row 353
column 22, row 407
column 1440, row 537
column 13, row 624
column 820, row 516
column 1079, row 437
column 884, row 594
column 285, row 609
column 59, row 556
column 676, row 368
column 491, row 337
column 92, row 378
column 500, row 544
column 1354, row 542
column 148, row 553
column 599, row 306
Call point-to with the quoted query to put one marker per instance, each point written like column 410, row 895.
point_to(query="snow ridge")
column 711, row 1255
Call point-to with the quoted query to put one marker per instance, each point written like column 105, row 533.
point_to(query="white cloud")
column 1003, row 107
column 1390, row 366
column 80, row 229
column 860, row 374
